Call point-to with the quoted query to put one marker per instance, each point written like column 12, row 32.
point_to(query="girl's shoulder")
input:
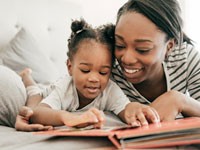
column 65, row 80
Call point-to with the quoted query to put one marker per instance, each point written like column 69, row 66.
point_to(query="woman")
column 156, row 62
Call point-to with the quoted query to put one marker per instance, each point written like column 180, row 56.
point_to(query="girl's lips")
column 92, row 89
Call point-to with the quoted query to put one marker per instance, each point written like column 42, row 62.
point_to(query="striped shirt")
column 181, row 69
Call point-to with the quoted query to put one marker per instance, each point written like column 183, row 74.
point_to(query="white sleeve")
column 53, row 100
column 117, row 100
column 56, row 95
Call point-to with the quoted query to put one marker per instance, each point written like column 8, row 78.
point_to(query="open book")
column 165, row 134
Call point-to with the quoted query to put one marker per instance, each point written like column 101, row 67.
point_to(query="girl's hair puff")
column 81, row 31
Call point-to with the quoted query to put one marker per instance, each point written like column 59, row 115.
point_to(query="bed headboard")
column 48, row 20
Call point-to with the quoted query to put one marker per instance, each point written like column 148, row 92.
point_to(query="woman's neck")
column 153, row 88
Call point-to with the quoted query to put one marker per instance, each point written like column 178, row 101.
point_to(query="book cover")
column 179, row 132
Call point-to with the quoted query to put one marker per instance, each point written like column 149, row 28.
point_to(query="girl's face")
column 90, row 69
column 140, row 48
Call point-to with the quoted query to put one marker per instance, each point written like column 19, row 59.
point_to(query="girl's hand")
column 92, row 116
column 138, row 114
column 169, row 105
column 22, row 121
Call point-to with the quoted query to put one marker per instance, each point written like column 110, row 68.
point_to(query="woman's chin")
column 133, row 78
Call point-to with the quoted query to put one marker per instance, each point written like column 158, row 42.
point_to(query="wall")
column 99, row 12
column 192, row 23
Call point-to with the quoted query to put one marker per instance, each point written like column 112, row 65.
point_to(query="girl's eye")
column 85, row 71
column 103, row 73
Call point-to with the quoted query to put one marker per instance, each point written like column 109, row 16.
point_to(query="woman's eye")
column 119, row 47
column 143, row 50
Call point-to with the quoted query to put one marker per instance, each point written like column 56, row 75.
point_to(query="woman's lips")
column 132, row 71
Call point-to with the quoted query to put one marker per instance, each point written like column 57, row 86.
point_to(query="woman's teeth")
column 131, row 70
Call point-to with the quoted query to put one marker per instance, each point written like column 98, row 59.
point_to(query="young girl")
column 88, row 88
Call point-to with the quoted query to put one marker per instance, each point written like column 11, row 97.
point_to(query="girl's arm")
column 34, row 98
column 43, row 114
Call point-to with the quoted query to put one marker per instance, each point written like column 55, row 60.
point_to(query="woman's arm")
column 191, row 107
column 171, row 103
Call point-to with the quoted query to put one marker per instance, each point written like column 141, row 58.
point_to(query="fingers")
column 34, row 127
column 155, row 116
column 93, row 117
column 99, row 114
column 83, row 125
column 142, row 119
column 26, row 112
column 133, row 121
column 148, row 115
column 22, row 121
column 142, row 115
column 23, row 125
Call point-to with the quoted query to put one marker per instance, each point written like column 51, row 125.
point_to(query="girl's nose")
column 93, row 78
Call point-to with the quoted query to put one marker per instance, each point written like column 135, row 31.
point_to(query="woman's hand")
column 169, row 105
column 22, row 121
column 92, row 116
column 138, row 114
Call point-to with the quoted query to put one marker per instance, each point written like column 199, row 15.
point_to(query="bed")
column 34, row 33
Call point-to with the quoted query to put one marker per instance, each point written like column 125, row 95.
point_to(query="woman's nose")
column 129, row 57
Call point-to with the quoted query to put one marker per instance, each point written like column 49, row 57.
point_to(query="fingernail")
column 95, row 120
column 135, row 124
column 156, row 120
column 145, row 123
column 102, row 119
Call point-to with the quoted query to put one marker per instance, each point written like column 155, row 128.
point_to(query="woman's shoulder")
column 181, row 54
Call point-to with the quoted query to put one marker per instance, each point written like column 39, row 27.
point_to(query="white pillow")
column 22, row 52
column 12, row 96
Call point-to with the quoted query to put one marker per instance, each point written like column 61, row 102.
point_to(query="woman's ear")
column 170, row 46
column 69, row 66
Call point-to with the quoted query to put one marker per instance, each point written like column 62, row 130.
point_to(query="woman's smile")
column 134, row 73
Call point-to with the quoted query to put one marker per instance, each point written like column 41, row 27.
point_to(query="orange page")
column 165, row 134
column 162, row 127
column 178, row 132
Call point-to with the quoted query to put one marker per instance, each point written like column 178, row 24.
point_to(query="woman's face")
column 140, row 48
